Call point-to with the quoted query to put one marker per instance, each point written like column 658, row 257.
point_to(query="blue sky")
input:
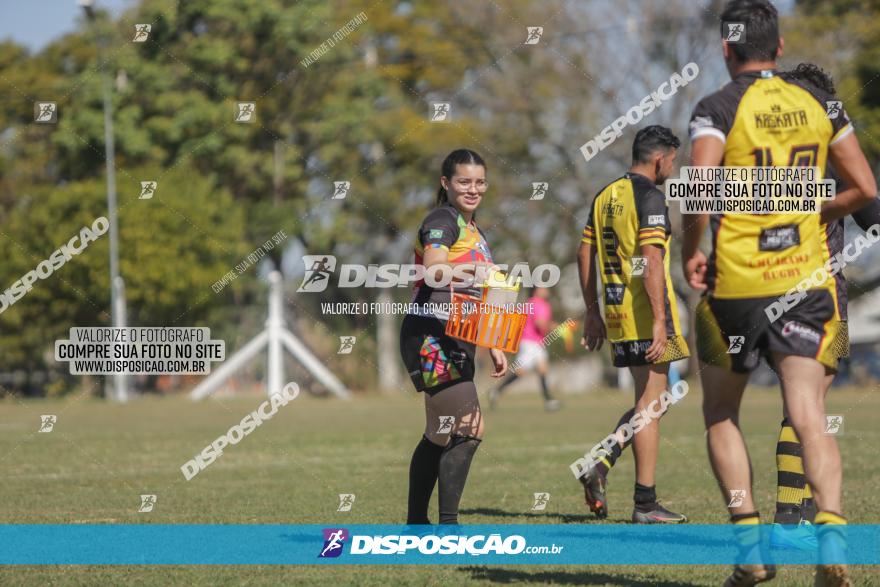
column 34, row 23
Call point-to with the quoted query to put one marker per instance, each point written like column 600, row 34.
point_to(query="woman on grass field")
column 440, row 366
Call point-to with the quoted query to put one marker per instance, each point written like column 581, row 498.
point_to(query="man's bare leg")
column 722, row 395
column 650, row 383
column 803, row 391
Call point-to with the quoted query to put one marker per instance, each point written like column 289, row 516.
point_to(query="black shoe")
column 594, row 492
column 654, row 513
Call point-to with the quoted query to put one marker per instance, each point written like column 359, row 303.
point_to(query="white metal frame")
column 273, row 337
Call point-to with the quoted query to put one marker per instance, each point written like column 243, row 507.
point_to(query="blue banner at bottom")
column 389, row 545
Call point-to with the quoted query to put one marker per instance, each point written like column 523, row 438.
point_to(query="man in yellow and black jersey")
column 626, row 239
column 795, row 508
column 627, row 225
column 761, row 119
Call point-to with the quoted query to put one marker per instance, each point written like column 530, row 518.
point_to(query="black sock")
column 511, row 377
column 604, row 465
column 744, row 518
column 423, row 470
column 644, row 495
column 808, row 509
column 455, row 463
column 544, row 389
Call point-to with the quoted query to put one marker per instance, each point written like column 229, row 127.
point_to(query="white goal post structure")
column 274, row 337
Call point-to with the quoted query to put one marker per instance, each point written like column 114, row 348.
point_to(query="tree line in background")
column 359, row 113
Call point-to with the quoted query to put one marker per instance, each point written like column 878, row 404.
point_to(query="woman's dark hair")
column 457, row 157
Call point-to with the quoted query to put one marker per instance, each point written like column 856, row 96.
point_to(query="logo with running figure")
column 45, row 112
column 440, row 111
column 735, row 32
column 319, row 268
column 346, row 501
column 142, row 32
column 833, row 424
column 446, row 424
column 340, row 190
column 245, row 111
column 637, row 266
column 148, row 189
column 533, row 34
column 736, row 344
column 541, row 500
column 833, row 108
column 346, row 344
column 148, row 502
column 47, row 423
column 737, row 497
column 539, row 190
column 334, row 539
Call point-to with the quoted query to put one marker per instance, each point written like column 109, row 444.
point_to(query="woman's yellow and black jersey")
column 446, row 228
column 626, row 214
column 768, row 119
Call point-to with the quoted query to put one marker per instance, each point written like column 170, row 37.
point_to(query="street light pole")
column 117, row 287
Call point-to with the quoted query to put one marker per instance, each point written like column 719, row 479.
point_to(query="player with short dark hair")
column 763, row 119
column 759, row 39
column 628, row 233
column 651, row 140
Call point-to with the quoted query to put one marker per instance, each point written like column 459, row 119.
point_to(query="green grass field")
column 93, row 467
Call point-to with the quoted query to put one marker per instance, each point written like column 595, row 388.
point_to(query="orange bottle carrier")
column 490, row 320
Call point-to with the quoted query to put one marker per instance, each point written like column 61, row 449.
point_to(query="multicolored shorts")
column 434, row 360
